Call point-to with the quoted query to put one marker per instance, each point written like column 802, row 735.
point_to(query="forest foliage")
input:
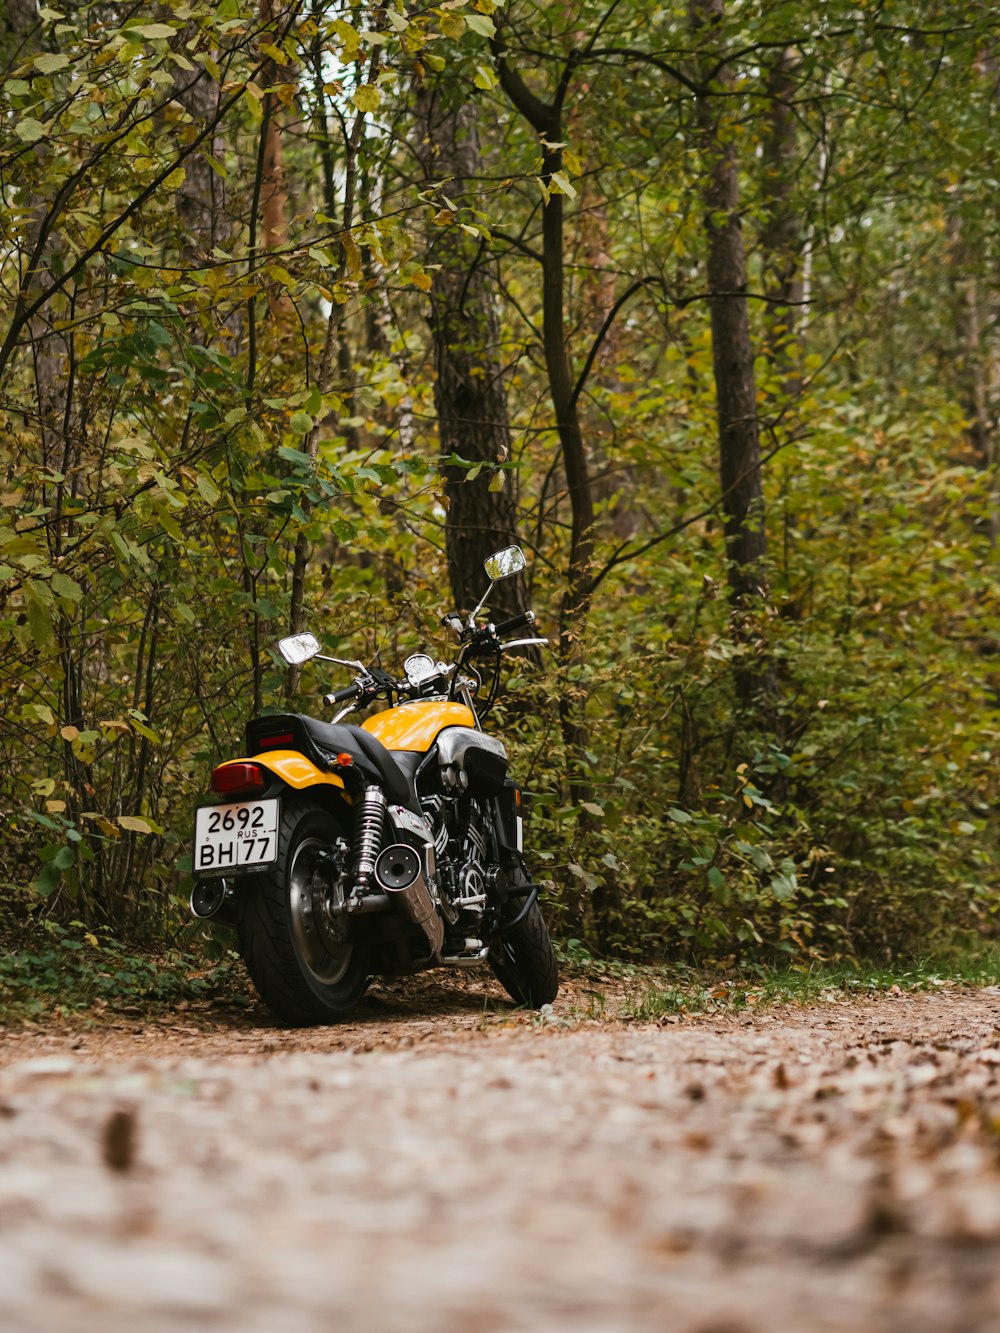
column 261, row 263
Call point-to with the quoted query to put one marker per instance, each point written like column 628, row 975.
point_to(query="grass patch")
column 55, row 971
column 653, row 994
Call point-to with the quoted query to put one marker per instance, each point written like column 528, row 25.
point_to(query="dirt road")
column 441, row 1167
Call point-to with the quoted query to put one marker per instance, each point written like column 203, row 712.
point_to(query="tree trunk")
column 273, row 186
column 469, row 392
column 327, row 361
column 781, row 240
column 975, row 361
column 201, row 196
column 546, row 119
column 732, row 355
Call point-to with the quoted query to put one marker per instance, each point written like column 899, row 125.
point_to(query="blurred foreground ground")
column 446, row 1164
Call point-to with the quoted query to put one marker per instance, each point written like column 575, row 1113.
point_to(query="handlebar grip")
column 515, row 622
column 341, row 696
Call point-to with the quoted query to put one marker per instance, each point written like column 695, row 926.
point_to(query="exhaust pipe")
column 212, row 898
column 399, row 871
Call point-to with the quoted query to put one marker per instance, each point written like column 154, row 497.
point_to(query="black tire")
column 524, row 962
column 300, row 971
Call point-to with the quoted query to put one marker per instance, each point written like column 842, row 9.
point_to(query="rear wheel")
column 300, row 949
column 524, row 962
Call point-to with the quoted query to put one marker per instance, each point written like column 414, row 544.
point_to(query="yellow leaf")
column 55, row 807
column 103, row 823
column 69, row 733
column 136, row 824
column 353, row 255
column 367, row 98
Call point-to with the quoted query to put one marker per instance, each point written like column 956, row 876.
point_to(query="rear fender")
column 296, row 771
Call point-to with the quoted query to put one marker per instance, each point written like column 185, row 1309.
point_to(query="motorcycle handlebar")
column 341, row 696
column 515, row 622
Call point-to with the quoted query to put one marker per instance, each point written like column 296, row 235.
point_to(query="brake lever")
column 524, row 643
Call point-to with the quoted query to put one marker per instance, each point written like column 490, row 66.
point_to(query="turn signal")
column 233, row 779
column 344, row 760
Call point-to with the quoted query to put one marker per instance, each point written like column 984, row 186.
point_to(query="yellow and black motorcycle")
column 344, row 851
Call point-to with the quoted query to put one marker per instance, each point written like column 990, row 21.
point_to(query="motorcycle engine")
column 462, row 846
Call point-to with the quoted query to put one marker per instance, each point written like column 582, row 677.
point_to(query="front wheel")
column 524, row 962
column 304, row 959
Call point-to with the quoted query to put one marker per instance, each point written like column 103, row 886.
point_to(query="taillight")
column 273, row 742
column 235, row 779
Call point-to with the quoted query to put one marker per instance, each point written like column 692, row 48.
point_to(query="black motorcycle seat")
column 327, row 739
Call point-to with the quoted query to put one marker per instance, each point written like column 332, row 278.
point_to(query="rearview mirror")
column 502, row 564
column 298, row 648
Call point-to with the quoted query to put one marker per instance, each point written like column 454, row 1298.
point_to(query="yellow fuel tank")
column 415, row 726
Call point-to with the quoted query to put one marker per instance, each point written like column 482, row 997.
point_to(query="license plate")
column 232, row 837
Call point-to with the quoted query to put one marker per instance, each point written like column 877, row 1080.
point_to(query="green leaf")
column 29, row 130
column 48, row 881
column 561, row 183
column 152, row 31
column 783, row 887
column 592, row 808
column 207, row 488
column 482, row 24
column 301, row 423
column 64, row 586
column 39, row 619
column 679, row 816
column 590, row 881
column 145, row 731
column 170, row 525
column 51, row 61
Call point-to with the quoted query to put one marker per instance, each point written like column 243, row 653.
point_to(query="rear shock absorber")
column 368, row 826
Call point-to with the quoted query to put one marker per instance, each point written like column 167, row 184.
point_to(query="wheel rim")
column 320, row 933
